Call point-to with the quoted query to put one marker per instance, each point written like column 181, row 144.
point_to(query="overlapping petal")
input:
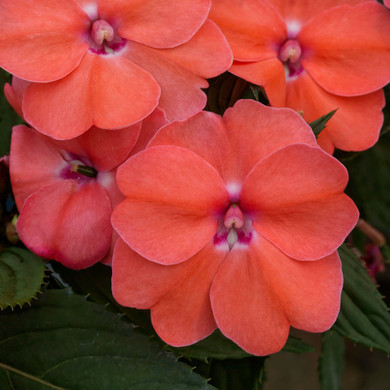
column 154, row 23
column 204, row 134
column 14, row 93
column 28, row 145
column 255, row 131
column 172, row 198
column 345, row 44
column 355, row 125
column 178, row 295
column 297, row 197
column 41, row 42
column 268, row 291
column 181, row 94
column 68, row 223
column 300, row 11
column 90, row 98
column 270, row 74
column 245, row 307
column 253, row 28
column 308, row 291
column 206, row 54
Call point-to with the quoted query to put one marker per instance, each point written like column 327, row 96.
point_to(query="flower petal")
column 41, row 41
column 267, row 73
column 68, row 223
column 155, row 23
column 308, row 291
column 206, row 54
column 245, row 307
column 204, row 134
column 173, row 197
column 150, row 125
column 97, row 92
column 181, row 94
column 28, row 172
column 178, row 295
column 255, row 131
column 300, row 11
column 104, row 148
column 253, row 28
column 356, row 123
column 346, row 44
column 14, row 93
column 297, row 198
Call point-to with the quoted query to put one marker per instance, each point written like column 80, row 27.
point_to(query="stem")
column 32, row 377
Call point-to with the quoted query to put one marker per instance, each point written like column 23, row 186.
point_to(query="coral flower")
column 65, row 190
column 108, row 63
column 232, row 223
column 315, row 57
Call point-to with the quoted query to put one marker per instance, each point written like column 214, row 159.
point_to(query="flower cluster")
column 229, row 222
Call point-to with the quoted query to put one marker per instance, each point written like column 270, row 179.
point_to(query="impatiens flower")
column 232, row 223
column 65, row 190
column 315, row 57
column 109, row 63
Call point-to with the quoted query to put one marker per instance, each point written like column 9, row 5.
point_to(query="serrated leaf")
column 66, row 342
column 363, row 317
column 319, row 124
column 96, row 282
column 331, row 362
column 21, row 276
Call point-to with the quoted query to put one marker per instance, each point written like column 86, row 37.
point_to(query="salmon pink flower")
column 315, row 57
column 109, row 63
column 232, row 223
column 65, row 190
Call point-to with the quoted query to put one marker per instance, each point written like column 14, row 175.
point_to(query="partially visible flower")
column 232, row 223
column 109, row 63
column 65, row 190
column 315, row 57
column 373, row 260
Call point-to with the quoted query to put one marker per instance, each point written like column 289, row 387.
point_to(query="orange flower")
column 233, row 223
column 315, row 57
column 109, row 63
column 65, row 190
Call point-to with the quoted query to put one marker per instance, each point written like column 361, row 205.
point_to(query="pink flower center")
column 291, row 54
column 78, row 170
column 103, row 38
column 234, row 227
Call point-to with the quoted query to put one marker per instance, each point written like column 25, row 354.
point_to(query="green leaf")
column 8, row 117
column 369, row 183
column 319, row 124
column 331, row 363
column 65, row 342
column 217, row 346
column 234, row 374
column 21, row 276
column 96, row 282
column 363, row 317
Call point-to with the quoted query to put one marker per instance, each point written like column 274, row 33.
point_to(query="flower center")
column 103, row 38
column 78, row 170
column 291, row 54
column 234, row 227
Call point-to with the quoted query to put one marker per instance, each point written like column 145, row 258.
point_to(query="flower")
column 109, row 63
column 315, row 57
column 65, row 190
column 232, row 223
